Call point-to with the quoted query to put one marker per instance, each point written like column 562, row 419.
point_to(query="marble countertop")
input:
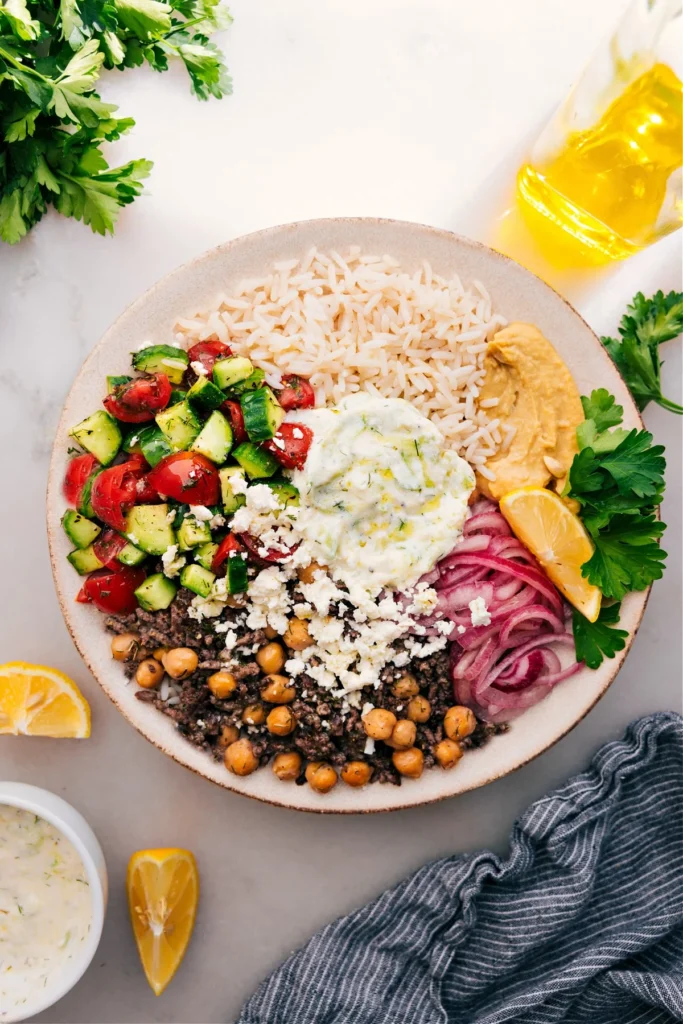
column 390, row 108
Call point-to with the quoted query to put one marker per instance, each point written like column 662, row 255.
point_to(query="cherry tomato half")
column 186, row 477
column 139, row 399
column 77, row 472
column 255, row 548
column 228, row 544
column 207, row 352
column 113, row 590
column 115, row 491
column 107, row 546
column 82, row 596
column 233, row 411
column 296, row 393
column 290, row 445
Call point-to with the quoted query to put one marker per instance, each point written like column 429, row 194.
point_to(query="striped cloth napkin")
column 581, row 923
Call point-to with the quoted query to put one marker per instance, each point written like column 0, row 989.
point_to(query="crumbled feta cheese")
column 369, row 747
column 295, row 666
column 172, row 561
column 444, row 627
column 199, row 368
column 367, row 708
column 231, row 639
column 461, row 629
column 479, row 612
column 201, row 513
column 298, row 434
column 425, row 600
column 216, row 521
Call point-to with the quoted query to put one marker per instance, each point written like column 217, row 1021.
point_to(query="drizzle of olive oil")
column 608, row 192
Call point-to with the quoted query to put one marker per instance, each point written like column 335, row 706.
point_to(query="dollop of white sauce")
column 382, row 499
column 45, row 907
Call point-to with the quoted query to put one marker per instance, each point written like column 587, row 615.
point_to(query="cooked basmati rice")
column 360, row 322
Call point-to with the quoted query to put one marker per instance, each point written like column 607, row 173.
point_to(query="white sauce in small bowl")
column 45, row 908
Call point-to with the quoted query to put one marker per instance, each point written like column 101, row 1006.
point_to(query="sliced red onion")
column 504, row 667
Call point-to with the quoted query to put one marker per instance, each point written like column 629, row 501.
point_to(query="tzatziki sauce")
column 382, row 497
column 45, row 908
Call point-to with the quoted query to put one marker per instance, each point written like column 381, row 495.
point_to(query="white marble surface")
column 389, row 108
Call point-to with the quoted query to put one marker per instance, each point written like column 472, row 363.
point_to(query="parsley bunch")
column 52, row 120
column 646, row 324
column 617, row 479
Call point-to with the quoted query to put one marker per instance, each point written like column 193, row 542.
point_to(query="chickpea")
column 459, row 722
column 321, row 776
column 356, row 773
column 278, row 690
column 405, row 687
column 281, row 721
column 403, row 735
column 287, row 766
column 271, row 658
column 379, row 723
column 447, row 753
column 296, row 635
column 254, row 714
column 222, row 684
column 125, row 647
column 180, row 662
column 419, row 709
column 149, row 674
column 240, row 758
column 307, row 572
column 229, row 734
column 408, row 762
column 270, row 632
column 159, row 653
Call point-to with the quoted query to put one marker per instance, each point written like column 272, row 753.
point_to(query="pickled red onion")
column 502, row 668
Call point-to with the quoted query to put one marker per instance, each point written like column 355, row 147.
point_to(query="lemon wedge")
column 558, row 539
column 40, row 701
column 163, row 892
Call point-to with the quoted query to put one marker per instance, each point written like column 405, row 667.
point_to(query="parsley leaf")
column 598, row 640
column 627, row 556
column 52, row 120
column 646, row 324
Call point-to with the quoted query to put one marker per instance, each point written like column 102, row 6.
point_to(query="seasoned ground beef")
column 322, row 733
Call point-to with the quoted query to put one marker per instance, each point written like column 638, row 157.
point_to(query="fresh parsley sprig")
column 646, row 324
column 52, row 120
column 617, row 479
column 600, row 639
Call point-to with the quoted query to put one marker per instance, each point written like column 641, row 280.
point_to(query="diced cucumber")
column 255, row 461
column 162, row 359
column 79, row 530
column 230, row 371
column 254, row 380
column 215, row 438
column 153, row 444
column 236, row 574
column 148, row 528
column 116, row 382
column 85, row 504
column 197, row 579
column 156, row 593
column 179, row 424
column 232, row 499
column 192, row 533
column 205, row 395
column 287, row 494
column 204, row 554
column 177, row 395
column 130, row 555
column 84, row 560
column 131, row 441
column 262, row 413
column 99, row 434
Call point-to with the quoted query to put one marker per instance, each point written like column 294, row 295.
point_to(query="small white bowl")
column 75, row 828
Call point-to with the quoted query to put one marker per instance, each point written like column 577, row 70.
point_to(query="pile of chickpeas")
column 277, row 692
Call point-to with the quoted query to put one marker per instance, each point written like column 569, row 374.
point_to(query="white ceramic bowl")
column 518, row 295
column 75, row 828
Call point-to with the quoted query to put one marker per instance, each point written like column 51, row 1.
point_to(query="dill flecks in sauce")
column 45, row 907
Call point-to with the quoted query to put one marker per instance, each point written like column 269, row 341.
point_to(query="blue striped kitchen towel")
column 581, row 923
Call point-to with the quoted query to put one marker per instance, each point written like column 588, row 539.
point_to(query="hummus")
column 538, row 397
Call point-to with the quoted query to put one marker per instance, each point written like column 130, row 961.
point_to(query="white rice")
column 358, row 322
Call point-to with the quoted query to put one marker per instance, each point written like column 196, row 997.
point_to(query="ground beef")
column 322, row 732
